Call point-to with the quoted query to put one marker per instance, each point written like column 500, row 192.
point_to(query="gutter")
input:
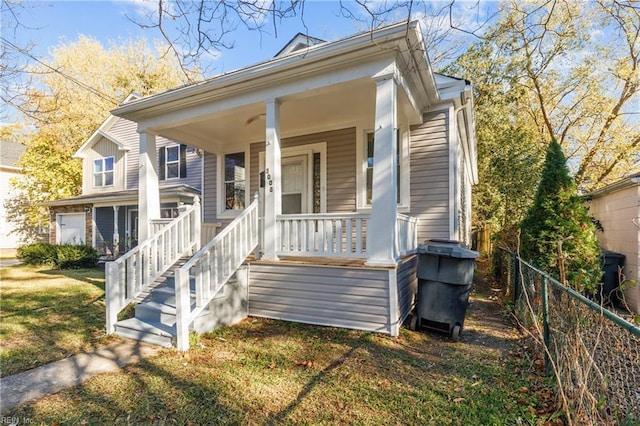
column 623, row 183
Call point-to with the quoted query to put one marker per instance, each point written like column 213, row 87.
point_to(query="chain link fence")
column 593, row 353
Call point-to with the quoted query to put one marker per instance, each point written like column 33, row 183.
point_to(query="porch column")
column 148, row 189
column 116, row 231
column 382, row 230
column 272, row 188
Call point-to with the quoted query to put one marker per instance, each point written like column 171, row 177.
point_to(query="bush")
column 66, row 256
column 37, row 254
column 559, row 217
column 74, row 256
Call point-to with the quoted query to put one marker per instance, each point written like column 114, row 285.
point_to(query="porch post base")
column 383, row 262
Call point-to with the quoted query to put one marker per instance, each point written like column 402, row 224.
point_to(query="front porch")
column 324, row 140
column 321, row 276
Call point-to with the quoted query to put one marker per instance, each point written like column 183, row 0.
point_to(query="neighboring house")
column 10, row 238
column 358, row 152
column 617, row 207
column 105, row 215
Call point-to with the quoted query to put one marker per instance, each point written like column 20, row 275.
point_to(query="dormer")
column 298, row 42
column 104, row 157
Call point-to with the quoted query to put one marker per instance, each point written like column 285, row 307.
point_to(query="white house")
column 356, row 151
column 10, row 238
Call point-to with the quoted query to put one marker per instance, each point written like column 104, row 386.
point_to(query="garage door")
column 71, row 228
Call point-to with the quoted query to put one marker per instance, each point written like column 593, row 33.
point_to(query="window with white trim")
column 369, row 144
column 173, row 162
column 235, row 181
column 103, row 171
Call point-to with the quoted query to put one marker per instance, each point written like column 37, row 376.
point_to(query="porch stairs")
column 155, row 311
column 196, row 289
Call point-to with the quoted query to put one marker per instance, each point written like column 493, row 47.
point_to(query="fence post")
column 545, row 324
column 516, row 278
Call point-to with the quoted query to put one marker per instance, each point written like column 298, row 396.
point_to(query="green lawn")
column 272, row 372
column 47, row 315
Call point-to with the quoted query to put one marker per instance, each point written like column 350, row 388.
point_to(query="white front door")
column 295, row 188
column 71, row 228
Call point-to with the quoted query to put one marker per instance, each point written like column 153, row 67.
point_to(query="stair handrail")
column 133, row 272
column 213, row 265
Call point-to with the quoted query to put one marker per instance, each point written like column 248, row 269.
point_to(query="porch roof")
column 325, row 85
column 130, row 196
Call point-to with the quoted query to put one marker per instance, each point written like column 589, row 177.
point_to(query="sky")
column 49, row 23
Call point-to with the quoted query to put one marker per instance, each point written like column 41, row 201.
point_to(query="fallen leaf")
column 458, row 400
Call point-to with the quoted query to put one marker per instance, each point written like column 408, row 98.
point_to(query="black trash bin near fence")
column 445, row 278
column 612, row 264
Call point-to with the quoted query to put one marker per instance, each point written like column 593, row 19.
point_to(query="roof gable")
column 298, row 42
column 10, row 153
column 102, row 132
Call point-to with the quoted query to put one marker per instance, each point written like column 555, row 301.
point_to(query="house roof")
column 185, row 192
column 626, row 182
column 103, row 132
column 397, row 38
column 10, row 153
column 328, row 82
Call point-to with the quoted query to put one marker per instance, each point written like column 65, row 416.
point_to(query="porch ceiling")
column 335, row 106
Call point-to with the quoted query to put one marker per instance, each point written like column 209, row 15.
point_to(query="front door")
column 295, row 188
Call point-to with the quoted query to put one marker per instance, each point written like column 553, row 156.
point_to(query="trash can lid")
column 447, row 250
column 609, row 253
column 443, row 242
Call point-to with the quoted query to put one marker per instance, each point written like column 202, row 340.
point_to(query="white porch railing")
column 326, row 234
column 133, row 272
column 208, row 231
column 212, row 266
column 407, row 234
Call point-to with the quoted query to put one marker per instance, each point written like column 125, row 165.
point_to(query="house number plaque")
column 269, row 180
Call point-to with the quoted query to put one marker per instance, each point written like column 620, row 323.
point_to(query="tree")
column 195, row 30
column 557, row 234
column 71, row 96
column 509, row 150
column 577, row 63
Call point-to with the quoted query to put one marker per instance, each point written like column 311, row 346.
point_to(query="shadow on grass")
column 255, row 373
column 52, row 320
column 93, row 276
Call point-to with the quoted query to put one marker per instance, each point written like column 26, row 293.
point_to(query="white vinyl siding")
column 103, row 181
column 355, row 298
column 429, row 153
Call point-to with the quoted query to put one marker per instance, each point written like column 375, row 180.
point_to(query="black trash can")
column 612, row 263
column 445, row 278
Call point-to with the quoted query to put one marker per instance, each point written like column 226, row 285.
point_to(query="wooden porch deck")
column 324, row 261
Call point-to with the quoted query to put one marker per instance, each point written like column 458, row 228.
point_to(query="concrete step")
column 147, row 331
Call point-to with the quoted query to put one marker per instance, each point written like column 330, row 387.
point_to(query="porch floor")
column 326, row 261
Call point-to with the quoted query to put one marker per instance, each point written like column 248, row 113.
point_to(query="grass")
column 47, row 315
column 272, row 372
column 267, row 372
